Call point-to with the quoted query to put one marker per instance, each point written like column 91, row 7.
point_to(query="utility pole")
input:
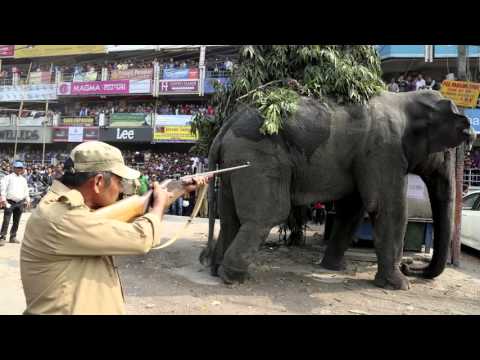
column 459, row 167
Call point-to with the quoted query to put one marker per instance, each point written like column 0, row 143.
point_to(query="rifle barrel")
column 215, row 171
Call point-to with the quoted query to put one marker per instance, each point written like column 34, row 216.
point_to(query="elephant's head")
column 435, row 122
column 434, row 125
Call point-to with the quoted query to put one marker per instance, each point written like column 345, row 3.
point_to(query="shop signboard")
column 28, row 92
column 26, row 135
column 173, row 128
column 126, row 134
column 474, row 117
column 462, row 93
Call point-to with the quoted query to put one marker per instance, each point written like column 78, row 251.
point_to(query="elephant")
column 357, row 155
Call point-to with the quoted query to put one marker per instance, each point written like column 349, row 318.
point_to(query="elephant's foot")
column 394, row 280
column 230, row 276
column 214, row 269
column 205, row 256
column 335, row 264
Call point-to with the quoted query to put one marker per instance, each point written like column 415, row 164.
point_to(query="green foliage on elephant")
column 272, row 77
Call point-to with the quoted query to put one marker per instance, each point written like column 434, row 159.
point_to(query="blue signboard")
column 474, row 117
column 418, row 51
column 209, row 89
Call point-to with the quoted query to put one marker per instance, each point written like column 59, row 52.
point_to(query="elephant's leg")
column 349, row 215
column 261, row 202
column 229, row 225
column 389, row 225
column 239, row 255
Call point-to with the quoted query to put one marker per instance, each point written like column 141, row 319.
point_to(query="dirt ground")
column 285, row 281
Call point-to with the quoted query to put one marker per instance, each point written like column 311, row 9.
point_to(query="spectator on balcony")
column 429, row 83
column 420, row 83
column 393, row 86
column 228, row 65
column 210, row 110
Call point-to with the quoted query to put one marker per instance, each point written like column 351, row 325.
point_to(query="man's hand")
column 29, row 204
column 193, row 183
column 162, row 198
column 2, row 204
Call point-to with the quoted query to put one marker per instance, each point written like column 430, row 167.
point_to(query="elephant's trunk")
column 441, row 192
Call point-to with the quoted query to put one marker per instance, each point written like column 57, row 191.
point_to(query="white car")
column 470, row 233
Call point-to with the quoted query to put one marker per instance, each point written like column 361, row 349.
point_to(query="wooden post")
column 43, row 133
column 455, row 249
column 19, row 114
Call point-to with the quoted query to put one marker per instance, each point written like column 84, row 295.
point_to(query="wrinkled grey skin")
column 358, row 156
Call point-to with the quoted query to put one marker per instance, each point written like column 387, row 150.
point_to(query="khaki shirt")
column 66, row 258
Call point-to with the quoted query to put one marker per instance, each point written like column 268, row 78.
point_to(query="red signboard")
column 7, row 50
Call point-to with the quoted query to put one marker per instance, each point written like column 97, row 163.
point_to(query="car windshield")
column 469, row 201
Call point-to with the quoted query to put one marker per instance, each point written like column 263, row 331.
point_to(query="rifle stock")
column 134, row 206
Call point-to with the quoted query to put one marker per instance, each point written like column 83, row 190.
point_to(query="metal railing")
column 471, row 177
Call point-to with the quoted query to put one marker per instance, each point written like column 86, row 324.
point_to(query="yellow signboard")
column 33, row 51
column 174, row 133
column 462, row 93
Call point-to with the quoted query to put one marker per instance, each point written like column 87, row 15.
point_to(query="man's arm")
column 3, row 189
column 84, row 234
column 27, row 192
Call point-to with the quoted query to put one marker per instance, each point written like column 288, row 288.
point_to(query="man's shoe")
column 14, row 241
column 2, row 242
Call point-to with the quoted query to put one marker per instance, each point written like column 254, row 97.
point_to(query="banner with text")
column 209, row 84
column 126, row 134
column 178, row 87
column 32, row 51
column 130, row 119
column 5, row 121
column 77, row 121
column 176, row 74
column 462, row 93
column 85, row 76
column 74, row 134
column 112, row 87
column 132, row 74
column 28, row 92
column 173, row 128
column 30, row 120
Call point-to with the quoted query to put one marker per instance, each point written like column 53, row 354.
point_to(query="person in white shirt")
column 420, row 83
column 13, row 195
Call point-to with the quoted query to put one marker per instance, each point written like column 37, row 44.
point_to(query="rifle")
column 134, row 206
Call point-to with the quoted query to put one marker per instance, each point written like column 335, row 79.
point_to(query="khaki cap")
column 94, row 156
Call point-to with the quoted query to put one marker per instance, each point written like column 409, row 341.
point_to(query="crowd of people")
column 153, row 167
column 140, row 107
column 412, row 83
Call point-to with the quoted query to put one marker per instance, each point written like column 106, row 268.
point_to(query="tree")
column 272, row 77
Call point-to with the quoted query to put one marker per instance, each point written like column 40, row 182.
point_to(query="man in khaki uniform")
column 66, row 258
